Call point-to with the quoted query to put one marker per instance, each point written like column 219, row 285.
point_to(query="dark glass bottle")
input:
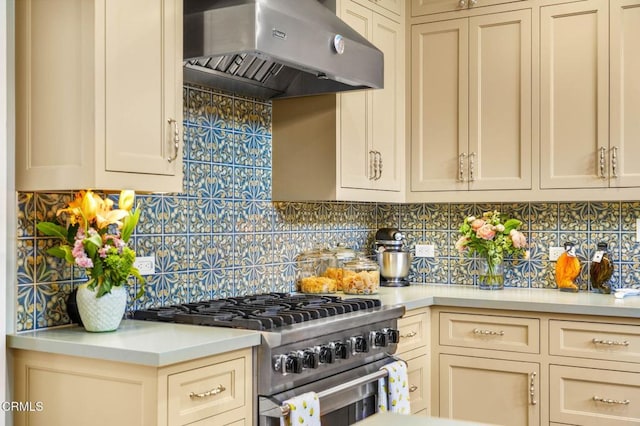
column 601, row 269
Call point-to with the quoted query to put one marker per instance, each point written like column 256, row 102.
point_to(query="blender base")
column 394, row 283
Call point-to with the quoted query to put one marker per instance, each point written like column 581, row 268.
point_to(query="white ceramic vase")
column 101, row 313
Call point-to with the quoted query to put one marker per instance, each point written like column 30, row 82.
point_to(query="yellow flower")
column 90, row 203
column 126, row 199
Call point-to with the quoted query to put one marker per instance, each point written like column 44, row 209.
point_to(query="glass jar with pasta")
column 312, row 267
column 361, row 276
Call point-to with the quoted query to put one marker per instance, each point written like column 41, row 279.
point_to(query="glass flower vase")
column 490, row 275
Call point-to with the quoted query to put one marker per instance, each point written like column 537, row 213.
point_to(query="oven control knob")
column 379, row 339
column 359, row 344
column 310, row 358
column 293, row 364
column 341, row 349
column 327, row 354
column 393, row 335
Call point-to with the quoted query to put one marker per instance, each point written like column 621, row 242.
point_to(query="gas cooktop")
column 258, row 312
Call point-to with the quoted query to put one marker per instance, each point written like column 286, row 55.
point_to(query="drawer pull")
column 611, row 401
column 532, row 388
column 409, row 334
column 610, row 342
column 488, row 332
column 413, row 388
column 218, row 389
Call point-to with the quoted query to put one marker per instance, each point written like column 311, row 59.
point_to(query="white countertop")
column 386, row 419
column 138, row 342
column 159, row 344
column 536, row 300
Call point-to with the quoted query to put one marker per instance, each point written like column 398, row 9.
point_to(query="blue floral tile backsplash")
column 223, row 236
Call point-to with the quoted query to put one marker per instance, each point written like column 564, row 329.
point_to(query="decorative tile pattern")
column 223, row 236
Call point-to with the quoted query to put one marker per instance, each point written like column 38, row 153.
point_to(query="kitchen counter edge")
column 161, row 344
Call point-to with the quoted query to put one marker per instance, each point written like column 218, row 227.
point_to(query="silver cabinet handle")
column 472, row 166
column 532, row 388
column 218, row 389
column 372, row 165
column 379, row 165
column 462, row 3
column 614, row 162
column 461, row 158
column 413, row 388
column 409, row 334
column 176, row 139
column 473, row 2
column 610, row 342
column 611, row 401
column 488, row 332
column 603, row 154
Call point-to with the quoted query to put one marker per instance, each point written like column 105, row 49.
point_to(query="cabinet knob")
column 176, row 139
column 473, row 2
column 462, row 3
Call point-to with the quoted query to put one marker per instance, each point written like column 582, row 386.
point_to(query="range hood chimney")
column 276, row 49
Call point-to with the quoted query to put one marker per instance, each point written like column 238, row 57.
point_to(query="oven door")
column 345, row 398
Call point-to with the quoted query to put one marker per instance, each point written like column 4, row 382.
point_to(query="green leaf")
column 63, row 252
column 129, row 225
column 52, row 229
column 511, row 224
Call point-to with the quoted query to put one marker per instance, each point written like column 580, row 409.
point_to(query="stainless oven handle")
column 283, row 410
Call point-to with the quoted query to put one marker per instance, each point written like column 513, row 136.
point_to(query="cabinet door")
column 394, row 6
column 439, row 105
column 625, row 93
column 388, row 105
column 142, row 84
column 489, row 390
column 574, row 95
column 355, row 125
column 500, row 101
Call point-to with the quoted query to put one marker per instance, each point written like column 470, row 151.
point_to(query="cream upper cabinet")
column 425, row 7
column 471, row 103
column 99, row 95
column 590, row 95
column 624, row 137
column 574, row 95
column 348, row 146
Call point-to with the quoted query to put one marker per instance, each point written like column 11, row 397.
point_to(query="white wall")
column 7, row 192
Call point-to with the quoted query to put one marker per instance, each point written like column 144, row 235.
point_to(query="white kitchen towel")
column 304, row 410
column 393, row 390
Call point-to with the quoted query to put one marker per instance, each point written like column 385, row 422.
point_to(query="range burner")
column 258, row 312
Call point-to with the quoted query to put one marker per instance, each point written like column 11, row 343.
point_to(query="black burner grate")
column 257, row 312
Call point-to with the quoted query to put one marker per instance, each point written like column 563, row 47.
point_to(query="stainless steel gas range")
column 326, row 344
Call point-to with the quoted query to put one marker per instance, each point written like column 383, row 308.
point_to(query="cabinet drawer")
column 206, row 391
column 413, row 332
column 426, row 7
column 588, row 397
column 513, row 334
column 417, row 369
column 610, row 342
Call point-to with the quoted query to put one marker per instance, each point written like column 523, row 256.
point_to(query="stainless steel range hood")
column 276, row 49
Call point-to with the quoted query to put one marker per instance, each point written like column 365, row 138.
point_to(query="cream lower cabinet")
column 488, row 367
column 589, row 94
column 80, row 391
column 527, row 368
column 348, row 146
column 414, row 348
column 489, row 390
column 471, row 103
column 99, row 95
